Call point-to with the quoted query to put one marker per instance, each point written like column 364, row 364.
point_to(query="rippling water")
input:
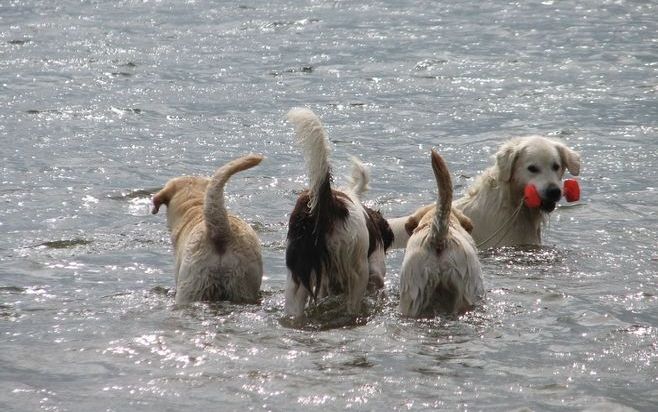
column 102, row 102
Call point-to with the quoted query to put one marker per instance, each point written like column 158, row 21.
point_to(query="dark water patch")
column 12, row 290
column 123, row 74
column 18, row 42
column 353, row 104
column 331, row 313
column 301, row 69
column 359, row 362
column 324, row 321
column 156, row 291
column 36, row 112
column 134, row 194
column 65, row 243
column 161, row 291
column 638, row 330
column 7, row 312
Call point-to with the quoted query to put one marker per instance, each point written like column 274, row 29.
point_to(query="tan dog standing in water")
column 217, row 254
column 440, row 271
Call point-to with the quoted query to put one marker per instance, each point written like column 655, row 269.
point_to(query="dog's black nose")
column 553, row 193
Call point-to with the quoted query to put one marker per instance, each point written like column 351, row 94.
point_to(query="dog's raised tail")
column 360, row 177
column 214, row 210
column 441, row 220
column 310, row 133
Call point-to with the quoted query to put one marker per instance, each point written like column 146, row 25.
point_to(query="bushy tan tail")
column 214, row 209
column 441, row 220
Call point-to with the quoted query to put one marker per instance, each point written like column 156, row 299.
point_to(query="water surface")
column 102, row 102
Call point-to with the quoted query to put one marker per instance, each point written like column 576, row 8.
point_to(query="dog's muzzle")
column 550, row 197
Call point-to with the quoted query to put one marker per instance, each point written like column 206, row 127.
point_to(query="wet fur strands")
column 335, row 245
column 495, row 201
column 217, row 255
column 440, row 272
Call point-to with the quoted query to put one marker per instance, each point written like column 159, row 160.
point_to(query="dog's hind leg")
column 296, row 296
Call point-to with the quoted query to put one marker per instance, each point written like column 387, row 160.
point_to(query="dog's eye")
column 533, row 169
column 556, row 167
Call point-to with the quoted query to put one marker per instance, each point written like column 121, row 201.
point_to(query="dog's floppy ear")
column 464, row 220
column 506, row 159
column 159, row 199
column 411, row 225
column 414, row 219
column 570, row 158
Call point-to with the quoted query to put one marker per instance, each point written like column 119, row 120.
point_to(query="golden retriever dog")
column 440, row 272
column 217, row 255
column 495, row 201
column 335, row 245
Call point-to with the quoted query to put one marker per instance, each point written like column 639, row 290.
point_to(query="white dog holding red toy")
column 510, row 200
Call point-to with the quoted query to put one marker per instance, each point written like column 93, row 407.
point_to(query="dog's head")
column 538, row 161
column 178, row 191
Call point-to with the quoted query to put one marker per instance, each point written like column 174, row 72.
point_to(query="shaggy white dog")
column 440, row 271
column 335, row 244
column 217, row 254
column 495, row 202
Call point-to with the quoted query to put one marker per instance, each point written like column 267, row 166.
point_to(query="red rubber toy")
column 531, row 196
column 571, row 190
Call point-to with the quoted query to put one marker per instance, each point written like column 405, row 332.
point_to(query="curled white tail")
column 214, row 210
column 360, row 177
column 311, row 134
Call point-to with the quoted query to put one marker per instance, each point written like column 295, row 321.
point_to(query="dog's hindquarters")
column 327, row 247
column 214, row 210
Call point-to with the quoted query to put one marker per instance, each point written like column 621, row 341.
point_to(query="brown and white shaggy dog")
column 495, row 200
column 335, row 244
column 440, row 271
column 217, row 254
